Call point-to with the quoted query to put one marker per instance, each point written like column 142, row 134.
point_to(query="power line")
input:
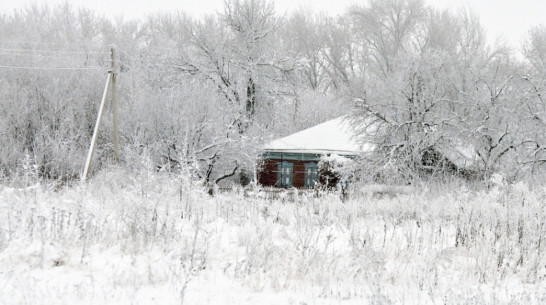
column 52, row 68
column 43, row 43
column 51, row 56
column 54, row 51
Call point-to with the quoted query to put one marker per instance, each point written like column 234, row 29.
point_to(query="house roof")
column 334, row 136
column 461, row 154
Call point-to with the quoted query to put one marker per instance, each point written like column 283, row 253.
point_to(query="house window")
column 311, row 174
column 284, row 174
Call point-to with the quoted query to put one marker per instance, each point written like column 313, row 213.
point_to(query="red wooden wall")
column 267, row 176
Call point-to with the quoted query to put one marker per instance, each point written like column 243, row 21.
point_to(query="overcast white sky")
column 507, row 19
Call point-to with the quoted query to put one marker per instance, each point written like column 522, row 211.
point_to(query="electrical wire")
column 59, row 55
column 52, row 68
column 54, row 51
column 53, row 56
column 43, row 43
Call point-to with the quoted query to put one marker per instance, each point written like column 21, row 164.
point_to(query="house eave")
column 304, row 155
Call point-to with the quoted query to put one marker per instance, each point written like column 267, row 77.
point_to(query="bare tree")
column 436, row 106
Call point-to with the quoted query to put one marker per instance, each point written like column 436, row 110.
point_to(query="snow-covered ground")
column 150, row 238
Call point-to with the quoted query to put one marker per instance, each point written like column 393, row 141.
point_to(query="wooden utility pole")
column 115, row 105
column 110, row 81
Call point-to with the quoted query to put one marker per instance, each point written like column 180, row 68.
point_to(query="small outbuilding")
column 293, row 161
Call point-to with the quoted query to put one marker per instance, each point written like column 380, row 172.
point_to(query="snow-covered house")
column 292, row 161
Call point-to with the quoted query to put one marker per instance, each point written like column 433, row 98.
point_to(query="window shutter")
column 310, row 174
column 306, row 175
column 279, row 174
column 290, row 171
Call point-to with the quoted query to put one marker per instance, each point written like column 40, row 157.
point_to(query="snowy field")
column 151, row 238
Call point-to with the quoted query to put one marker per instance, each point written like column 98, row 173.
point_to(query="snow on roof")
column 334, row 136
column 462, row 155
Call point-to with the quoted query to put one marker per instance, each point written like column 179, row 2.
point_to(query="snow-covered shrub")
column 136, row 229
